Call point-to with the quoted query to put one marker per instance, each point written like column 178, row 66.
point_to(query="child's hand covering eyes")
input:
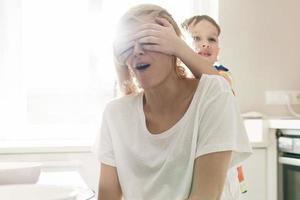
column 159, row 37
column 123, row 46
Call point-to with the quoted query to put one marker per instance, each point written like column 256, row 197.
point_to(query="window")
column 56, row 70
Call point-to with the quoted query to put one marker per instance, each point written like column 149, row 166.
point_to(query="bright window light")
column 57, row 72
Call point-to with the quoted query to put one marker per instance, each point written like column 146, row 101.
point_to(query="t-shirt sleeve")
column 104, row 146
column 221, row 128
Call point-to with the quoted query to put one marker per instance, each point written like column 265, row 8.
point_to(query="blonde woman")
column 168, row 137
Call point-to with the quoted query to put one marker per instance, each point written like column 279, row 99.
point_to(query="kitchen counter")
column 69, row 179
column 259, row 129
column 45, row 146
column 284, row 123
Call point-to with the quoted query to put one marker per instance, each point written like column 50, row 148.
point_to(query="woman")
column 169, row 137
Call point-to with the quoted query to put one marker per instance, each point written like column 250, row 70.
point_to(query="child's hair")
column 126, row 77
column 196, row 19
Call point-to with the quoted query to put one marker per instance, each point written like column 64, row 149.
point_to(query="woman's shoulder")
column 215, row 83
column 124, row 103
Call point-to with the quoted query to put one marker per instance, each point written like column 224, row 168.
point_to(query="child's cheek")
column 196, row 46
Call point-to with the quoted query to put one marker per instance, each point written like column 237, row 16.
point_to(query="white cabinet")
column 255, row 170
column 261, row 170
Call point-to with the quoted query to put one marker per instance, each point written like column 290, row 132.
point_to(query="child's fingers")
column 152, row 26
column 157, row 47
column 122, row 46
column 147, row 36
column 149, row 40
column 122, row 58
column 153, row 47
column 158, row 32
column 162, row 22
column 126, row 41
column 147, row 32
column 127, row 37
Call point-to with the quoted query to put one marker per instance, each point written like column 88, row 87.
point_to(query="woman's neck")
column 165, row 97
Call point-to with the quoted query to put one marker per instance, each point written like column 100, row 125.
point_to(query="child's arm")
column 161, row 37
column 193, row 61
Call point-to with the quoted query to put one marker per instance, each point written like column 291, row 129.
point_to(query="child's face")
column 205, row 40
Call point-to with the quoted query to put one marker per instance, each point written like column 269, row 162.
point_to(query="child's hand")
column 123, row 46
column 160, row 37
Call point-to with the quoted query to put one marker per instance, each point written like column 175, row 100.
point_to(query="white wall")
column 260, row 43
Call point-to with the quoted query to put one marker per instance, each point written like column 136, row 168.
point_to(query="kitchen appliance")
column 288, row 164
column 19, row 172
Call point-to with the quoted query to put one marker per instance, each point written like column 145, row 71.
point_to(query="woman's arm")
column 109, row 186
column 209, row 176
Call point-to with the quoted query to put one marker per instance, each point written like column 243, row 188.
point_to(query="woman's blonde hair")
column 127, row 80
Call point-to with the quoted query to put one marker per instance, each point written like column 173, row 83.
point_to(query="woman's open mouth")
column 142, row 66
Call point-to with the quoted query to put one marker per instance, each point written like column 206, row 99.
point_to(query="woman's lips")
column 142, row 66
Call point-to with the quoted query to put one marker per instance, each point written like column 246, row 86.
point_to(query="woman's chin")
column 145, row 82
column 146, row 85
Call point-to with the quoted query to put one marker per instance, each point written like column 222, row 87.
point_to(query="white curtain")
column 56, row 70
column 51, row 85
column 12, row 104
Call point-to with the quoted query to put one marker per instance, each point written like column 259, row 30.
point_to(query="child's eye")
column 212, row 39
column 196, row 38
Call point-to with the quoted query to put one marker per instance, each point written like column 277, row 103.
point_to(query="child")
column 205, row 34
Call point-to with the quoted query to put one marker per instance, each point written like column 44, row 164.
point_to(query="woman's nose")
column 138, row 49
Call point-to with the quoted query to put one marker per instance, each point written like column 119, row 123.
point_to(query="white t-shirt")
column 160, row 166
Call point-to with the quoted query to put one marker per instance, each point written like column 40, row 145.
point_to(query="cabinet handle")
column 289, row 161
